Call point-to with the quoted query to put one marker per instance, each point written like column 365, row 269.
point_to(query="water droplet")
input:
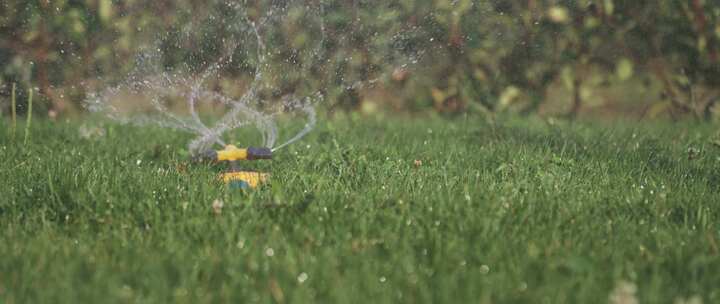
column 302, row 278
column 217, row 206
column 484, row 269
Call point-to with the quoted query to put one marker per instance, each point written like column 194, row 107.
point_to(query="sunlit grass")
column 366, row 211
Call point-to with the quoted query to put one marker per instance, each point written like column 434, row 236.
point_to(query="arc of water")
column 239, row 107
column 241, row 112
column 312, row 120
column 206, row 133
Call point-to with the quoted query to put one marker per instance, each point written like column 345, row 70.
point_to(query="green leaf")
column 624, row 69
column 609, row 7
column 105, row 10
column 558, row 14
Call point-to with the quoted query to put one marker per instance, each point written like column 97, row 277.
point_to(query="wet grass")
column 366, row 211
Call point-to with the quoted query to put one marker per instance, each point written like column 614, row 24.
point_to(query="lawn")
column 366, row 211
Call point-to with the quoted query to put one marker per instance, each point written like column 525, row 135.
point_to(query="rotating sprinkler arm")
column 232, row 153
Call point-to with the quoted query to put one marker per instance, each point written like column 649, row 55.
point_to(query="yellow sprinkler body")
column 236, row 177
column 232, row 153
column 252, row 179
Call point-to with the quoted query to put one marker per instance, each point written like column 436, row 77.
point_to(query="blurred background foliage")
column 569, row 58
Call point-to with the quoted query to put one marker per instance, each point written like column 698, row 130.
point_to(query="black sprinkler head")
column 259, row 153
column 209, row 155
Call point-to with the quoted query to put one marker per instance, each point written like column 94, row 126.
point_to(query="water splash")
column 309, row 126
column 252, row 68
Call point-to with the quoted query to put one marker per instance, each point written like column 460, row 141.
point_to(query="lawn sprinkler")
column 236, row 177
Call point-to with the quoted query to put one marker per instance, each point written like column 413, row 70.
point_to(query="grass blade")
column 29, row 116
column 14, row 110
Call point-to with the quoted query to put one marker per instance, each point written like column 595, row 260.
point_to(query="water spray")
column 281, row 76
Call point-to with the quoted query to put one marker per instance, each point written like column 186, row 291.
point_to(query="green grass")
column 518, row 212
column 28, row 119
